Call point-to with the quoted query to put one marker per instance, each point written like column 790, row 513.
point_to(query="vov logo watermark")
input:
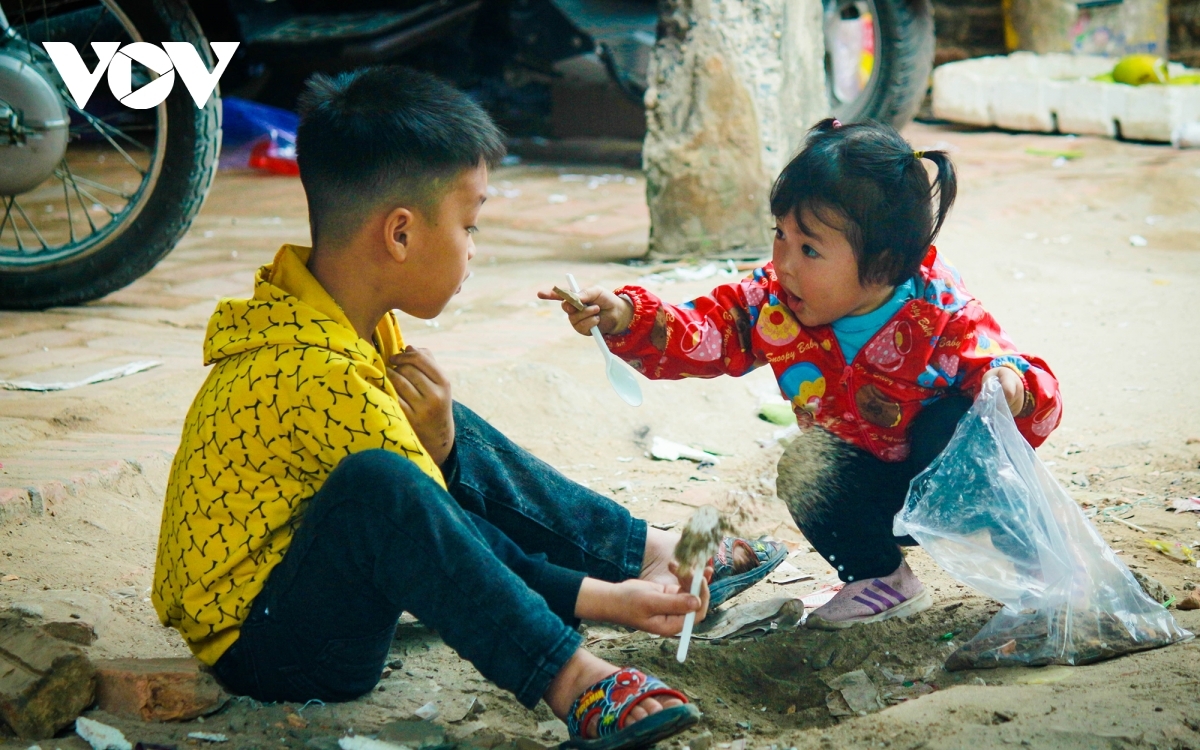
column 118, row 61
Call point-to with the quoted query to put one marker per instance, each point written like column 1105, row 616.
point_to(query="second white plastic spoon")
column 620, row 377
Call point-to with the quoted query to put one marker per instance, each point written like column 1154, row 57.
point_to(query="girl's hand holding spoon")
column 587, row 319
column 601, row 308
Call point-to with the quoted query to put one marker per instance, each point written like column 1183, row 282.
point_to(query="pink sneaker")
column 900, row 594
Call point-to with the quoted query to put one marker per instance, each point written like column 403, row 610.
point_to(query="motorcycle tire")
column 904, row 50
column 131, row 248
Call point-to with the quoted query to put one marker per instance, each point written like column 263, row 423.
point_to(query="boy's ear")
column 397, row 233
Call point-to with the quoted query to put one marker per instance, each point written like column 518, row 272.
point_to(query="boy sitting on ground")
column 326, row 482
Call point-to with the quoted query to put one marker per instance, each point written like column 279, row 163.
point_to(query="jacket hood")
column 291, row 308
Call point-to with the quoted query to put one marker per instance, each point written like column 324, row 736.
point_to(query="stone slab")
column 44, row 682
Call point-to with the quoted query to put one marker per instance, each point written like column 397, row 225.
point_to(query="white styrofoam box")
column 1084, row 108
column 1055, row 93
column 1152, row 112
column 961, row 98
column 1024, row 104
column 1145, row 116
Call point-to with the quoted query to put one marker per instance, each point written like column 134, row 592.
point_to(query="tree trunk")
column 734, row 85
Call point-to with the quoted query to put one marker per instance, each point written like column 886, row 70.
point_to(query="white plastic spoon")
column 620, row 377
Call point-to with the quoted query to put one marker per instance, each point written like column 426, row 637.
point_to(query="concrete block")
column 46, row 496
column 157, row 689
column 44, row 682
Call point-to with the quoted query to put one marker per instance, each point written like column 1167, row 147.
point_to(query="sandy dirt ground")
column 1047, row 248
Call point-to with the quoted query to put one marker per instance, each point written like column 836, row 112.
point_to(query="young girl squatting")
column 873, row 339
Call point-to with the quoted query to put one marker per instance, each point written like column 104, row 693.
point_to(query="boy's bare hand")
column 611, row 313
column 685, row 580
column 644, row 605
column 425, row 399
column 1013, row 385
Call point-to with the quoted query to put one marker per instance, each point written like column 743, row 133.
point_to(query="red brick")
column 157, row 689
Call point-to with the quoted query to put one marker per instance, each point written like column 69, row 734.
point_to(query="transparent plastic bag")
column 991, row 514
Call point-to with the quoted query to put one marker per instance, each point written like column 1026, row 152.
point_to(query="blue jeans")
column 846, row 511
column 493, row 564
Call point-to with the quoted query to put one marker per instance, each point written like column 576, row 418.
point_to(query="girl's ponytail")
column 828, row 125
column 945, row 186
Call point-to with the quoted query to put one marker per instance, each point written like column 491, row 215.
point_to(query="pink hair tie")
column 837, row 124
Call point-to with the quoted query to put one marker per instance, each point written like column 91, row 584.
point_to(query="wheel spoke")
column 96, row 201
column 95, row 27
column 100, row 128
column 133, row 141
column 101, row 124
column 7, row 211
column 75, row 187
column 94, row 184
column 67, row 200
column 8, row 215
column 28, row 48
column 29, row 223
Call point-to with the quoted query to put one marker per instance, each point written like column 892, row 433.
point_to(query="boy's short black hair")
column 385, row 134
column 866, row 181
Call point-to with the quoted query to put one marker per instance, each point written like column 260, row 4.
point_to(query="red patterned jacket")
column 940, row 341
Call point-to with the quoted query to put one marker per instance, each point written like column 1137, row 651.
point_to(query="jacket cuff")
column 1029, row 380
column 645, row 308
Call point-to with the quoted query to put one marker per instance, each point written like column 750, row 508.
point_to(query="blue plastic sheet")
column 258, row 136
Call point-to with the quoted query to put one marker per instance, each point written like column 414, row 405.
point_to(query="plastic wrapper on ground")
column 991, row 514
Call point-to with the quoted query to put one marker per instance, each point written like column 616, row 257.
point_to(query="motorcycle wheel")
column 130, row 181
column 878, row 58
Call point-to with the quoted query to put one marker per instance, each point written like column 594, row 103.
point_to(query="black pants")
column 494, row 564
column 843, row 498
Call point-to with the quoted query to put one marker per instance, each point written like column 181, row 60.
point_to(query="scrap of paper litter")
column 766, row 615
column 1185, row 504
column 100, row 377
column 668, row 450
column 358, row 742
column 101, row 736
column 787, row 573
column 821, row 596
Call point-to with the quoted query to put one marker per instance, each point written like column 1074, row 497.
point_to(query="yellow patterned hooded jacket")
column 293, row 391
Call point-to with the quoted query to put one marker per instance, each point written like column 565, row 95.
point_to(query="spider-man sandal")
column 611, row 699
column 726, row 584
